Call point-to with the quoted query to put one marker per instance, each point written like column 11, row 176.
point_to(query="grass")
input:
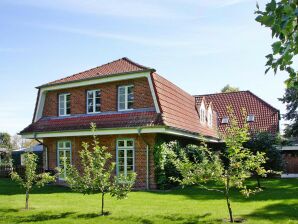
column 278, row 203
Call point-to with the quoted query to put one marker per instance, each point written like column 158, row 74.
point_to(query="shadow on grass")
column 274, row 189
column 277, row 212
column 8, row 187
column 43, row 216
column 187, row 219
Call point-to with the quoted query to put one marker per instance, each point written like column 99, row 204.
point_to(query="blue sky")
column 200, row 45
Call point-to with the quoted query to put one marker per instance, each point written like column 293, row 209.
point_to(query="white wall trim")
column 153, row 93
column 99, row 80
column 40, row 105
column 117, row 131
column 97, row 132
column 289, row 175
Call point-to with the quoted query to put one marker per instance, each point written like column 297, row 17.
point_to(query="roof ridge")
column 87, row 70
column 136, row 64
column 240, row 91
column 208, row 94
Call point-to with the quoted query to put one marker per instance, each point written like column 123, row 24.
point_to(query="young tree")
column 230, row 168
column 282, row 18
column 97, row 171
column 30, row 177
column 229, row 89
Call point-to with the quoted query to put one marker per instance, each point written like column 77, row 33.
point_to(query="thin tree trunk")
column 102, row 203
column 258, row 181
column 27, row 200
column 228, row 199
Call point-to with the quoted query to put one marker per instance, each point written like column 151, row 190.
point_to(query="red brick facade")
column 110, row 142
column 109, row 92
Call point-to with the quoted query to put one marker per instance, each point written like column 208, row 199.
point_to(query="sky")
column 200, row 45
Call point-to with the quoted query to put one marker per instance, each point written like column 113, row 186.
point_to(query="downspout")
column 46, row 150
column 147, row 158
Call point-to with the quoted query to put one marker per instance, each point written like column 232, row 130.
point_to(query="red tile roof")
column 179, row 108
column 120, row 66
column 82, row 122
column 266, row 116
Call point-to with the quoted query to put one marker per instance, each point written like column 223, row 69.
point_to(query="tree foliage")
column 267, row 143
column 5, row 140
column 229, row 89
column 282, row 18
column 30, row 177
column 96, row 173
column 230, row 168
column 291, row 100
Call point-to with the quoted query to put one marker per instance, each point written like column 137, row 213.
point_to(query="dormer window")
column 64, row 104
column 125, row 97
column 210, row 117
column 250, row 118
column 225, row 120
column 93, row 101
column 202, row 113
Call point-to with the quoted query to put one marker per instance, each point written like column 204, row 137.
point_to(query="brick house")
column 261, row 116
column 132, row 107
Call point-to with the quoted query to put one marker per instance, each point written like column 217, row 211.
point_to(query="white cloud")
column 137, row 39
column 116, row 8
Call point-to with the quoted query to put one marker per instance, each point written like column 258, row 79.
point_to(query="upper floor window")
column 93, row 101
column 210, row 117
column 250, row 118
column 225, row 120
column 202, row 113
column 64, row 104
column 125, row 97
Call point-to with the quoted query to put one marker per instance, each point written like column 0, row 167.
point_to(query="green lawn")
column 278, row 203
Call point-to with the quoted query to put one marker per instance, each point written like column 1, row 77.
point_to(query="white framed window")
column 250, row 118
column 225, row 120
column 125, row 97
column 93, row 101
column 63, row 157
column 125, row 156
column 202, row 113
column 210, row 117
column 64, row 104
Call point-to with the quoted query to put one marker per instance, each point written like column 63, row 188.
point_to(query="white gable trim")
column 122, row 77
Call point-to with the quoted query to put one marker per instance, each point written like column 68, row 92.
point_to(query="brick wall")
column 110, row 142
column 142, row 95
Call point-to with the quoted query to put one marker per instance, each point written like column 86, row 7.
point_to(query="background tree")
column 228, row 89
column 5, row 140
column 31, row 178
column 16, row 141
column 230, row 169
column 291, row 100
column 97, row 172
column 267, row 143
column 29, row 143
column 282, row 18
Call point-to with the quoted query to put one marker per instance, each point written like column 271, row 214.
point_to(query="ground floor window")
column 63, row 157
column 125, row 156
